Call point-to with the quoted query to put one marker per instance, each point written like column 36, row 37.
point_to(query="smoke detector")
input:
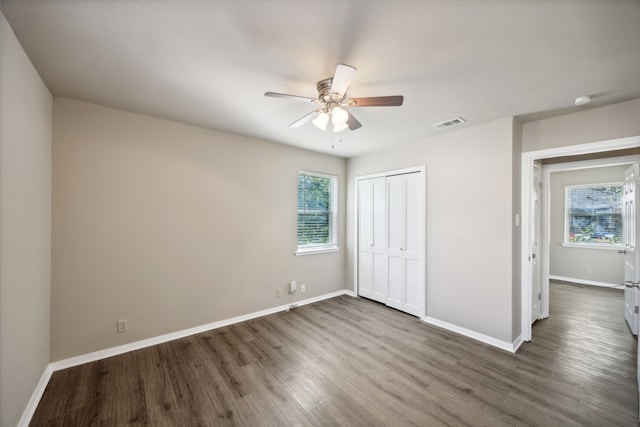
column 581, row 100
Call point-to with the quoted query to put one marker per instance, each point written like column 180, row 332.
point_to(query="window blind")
column 594, row 214
column 317, row 210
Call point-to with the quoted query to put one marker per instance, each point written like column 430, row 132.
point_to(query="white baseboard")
column 517, row 343
column 28, row 412
column 586, row 282
column 114, row 351
column 503, row 345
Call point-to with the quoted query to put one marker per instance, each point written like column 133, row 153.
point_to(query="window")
column 593, row 215
column 317, row 212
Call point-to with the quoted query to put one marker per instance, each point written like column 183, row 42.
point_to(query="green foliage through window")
column 316, row 210
column 594, row 214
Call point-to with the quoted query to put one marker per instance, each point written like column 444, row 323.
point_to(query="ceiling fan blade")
column 376, row 101
column 304, row 119
column 353, row 123
column 342, row 79
column 295, row 97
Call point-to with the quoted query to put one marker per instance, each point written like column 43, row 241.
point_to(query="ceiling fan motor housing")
column 324, row 91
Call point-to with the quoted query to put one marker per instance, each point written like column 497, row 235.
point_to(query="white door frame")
column 423, row 259
column 536, row 234
column 528, row 159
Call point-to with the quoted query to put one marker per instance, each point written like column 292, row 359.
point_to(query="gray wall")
column 516, row 237
column 25, row 227
column 593, row 125
column 172, row 226
column 605, row 266
column 469, row 203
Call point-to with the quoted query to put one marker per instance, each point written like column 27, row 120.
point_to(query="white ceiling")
column 208, row 63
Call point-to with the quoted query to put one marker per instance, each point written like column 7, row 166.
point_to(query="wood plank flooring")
column 353, row 362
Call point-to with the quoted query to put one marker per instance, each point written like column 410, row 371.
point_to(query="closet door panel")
column 365, row 238
column 379, row 243
column 365, row 272
column 395, row 239
column 412, row 289
column 379, row 213
column 395, row 212
column 379, row 279
column 414, row 245
column 372, row 239
column 395, row 269
column 413, row 227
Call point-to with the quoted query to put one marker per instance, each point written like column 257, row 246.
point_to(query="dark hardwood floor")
column 353, row 362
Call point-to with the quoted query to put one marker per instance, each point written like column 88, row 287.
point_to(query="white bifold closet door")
column 390, row 241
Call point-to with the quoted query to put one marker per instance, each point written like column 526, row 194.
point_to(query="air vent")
column 449, row 123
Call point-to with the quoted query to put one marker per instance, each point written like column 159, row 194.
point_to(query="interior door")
column 536, row 288
column 631, row 254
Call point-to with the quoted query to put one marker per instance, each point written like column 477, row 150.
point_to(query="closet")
column 390, row 240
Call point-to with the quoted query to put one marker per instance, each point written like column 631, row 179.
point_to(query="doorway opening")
column 600, row 153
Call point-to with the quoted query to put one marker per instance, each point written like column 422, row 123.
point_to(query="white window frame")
column 565, row 239
column 332, row 246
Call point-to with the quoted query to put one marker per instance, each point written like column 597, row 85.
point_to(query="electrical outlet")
column 292, row 287
column 122, row 325
column 279, row 292
column 303, row 287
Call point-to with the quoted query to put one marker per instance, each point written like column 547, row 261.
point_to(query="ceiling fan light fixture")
column 339, row 116
column 340, row 127
column 321, row 121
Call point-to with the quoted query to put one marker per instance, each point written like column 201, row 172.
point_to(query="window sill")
column 311, row 251
column 593, row 246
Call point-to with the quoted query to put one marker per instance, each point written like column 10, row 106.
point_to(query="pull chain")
column 333, row 146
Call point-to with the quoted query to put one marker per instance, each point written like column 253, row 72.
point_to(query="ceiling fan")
column 332, row 98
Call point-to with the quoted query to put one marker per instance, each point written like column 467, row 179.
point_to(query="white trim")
column 318, row 174
column 588, row 148
column 517, row 343
column 586, row 282
column 31, row 407
column 528, row 159
column 593, row 163
column 403, row 171
column 503, row 345
column 596, row 246
column 310, row 251
column 423, row 218
column 137, row 345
